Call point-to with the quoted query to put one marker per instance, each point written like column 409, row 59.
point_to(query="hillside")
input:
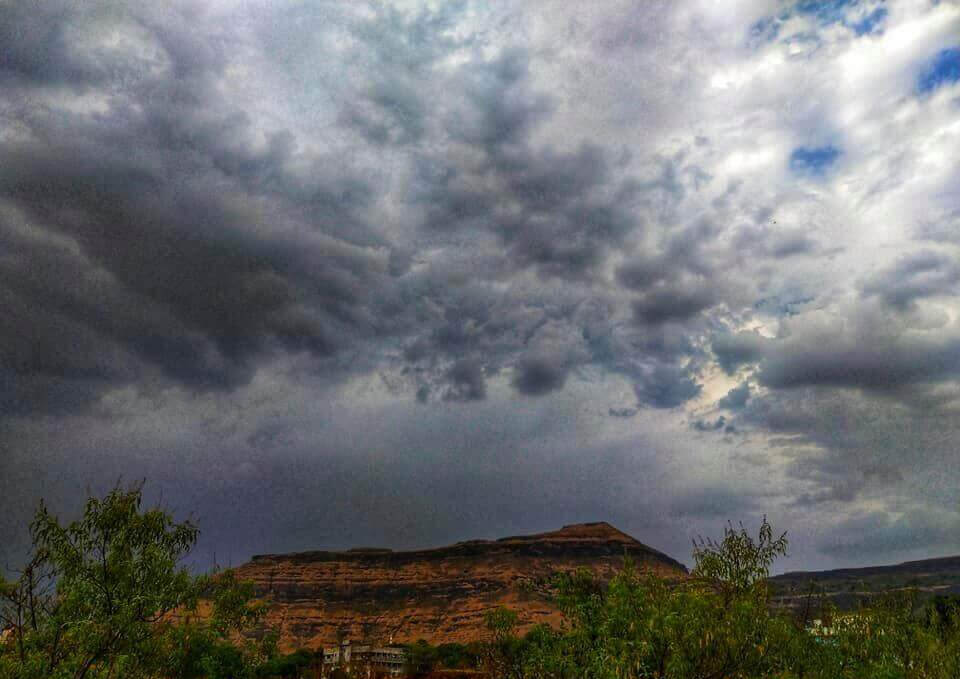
column 846, row 587
column 440, row 594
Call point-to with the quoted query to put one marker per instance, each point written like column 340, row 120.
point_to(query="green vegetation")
column 301, row 663
column 105, row 597
column 423, row 658
column 720, row 624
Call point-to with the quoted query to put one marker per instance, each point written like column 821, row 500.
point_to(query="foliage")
column 293, row 665
column 943, row 613
column 643, row 626
column 737, row 564
column 423, row 658
column 459, row 656
column 105, row 597
column 894, row 637
column 720, row 624
column 502, row 655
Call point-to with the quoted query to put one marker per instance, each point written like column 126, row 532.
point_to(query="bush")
column 720, row 624
column 293, row 665
column 105, row 597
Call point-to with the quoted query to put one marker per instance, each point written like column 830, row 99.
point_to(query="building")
column 365, row 661
column 819, row 629
column 856, row 623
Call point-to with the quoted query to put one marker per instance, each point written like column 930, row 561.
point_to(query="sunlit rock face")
column 441, row 594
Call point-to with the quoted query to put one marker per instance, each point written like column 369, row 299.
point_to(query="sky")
column 335, row 274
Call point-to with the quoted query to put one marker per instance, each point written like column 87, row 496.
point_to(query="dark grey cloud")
column 713, row 503
column 834, row 489
column 706, row 425
column 181, row 286
column 881, row 365
column 879, row 533
column 467, row 382
column 844, row 447
column 788, row 302
column 559, row 212
column 915, row 276
column 736, row 349
column 643, row 272
column 622, row 412
column 776, row 241
column 666, row 386
column 389, row 108
column 39, row 47
column 334, row 475
column 553, row 211
column 142, row 232
column 678, row 283
column 198, row 253
column 538, row 375
column 872, row 350
column 788, row 245
column 397, row 115
column 673, row 303
column 736, row 398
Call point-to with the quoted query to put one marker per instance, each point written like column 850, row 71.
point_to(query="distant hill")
column 440, row 594
column 847, row 587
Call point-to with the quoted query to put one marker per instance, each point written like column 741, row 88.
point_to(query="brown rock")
column 440, row 594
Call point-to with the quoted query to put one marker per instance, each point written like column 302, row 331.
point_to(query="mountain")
column 846, row 587
column 439, row 594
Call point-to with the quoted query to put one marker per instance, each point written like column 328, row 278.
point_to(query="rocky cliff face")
column 440, row 595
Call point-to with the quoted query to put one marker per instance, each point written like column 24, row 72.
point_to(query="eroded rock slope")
column 441, row 594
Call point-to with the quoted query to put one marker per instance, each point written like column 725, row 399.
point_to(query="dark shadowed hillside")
column 848, row 586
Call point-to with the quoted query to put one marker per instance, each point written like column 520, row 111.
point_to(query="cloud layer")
column 427, row 269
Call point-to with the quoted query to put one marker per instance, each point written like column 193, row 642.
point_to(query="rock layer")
column 440, row 594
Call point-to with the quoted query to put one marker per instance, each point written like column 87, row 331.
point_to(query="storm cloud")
column 406, row 272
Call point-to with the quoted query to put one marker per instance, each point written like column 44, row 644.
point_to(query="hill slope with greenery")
column 105, row 597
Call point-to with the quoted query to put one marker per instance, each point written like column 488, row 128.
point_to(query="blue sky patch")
column 764, row 30
column 857, row 17
column 825, row 11
column 943, row 68
column 869, row 23
column 813, row 161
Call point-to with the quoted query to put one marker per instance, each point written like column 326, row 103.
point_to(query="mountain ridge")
column 592, row 533
column 911, row 565
column 440, row 594
column 848, row 588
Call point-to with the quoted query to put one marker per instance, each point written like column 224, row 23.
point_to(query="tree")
column 640, row 625
column 502, row 653
column 106, row 597
column 737, row 564
column 421, row 658
column 721, row 625
column 293, row 665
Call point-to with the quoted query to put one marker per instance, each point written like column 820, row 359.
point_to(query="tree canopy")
column 106, row 596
